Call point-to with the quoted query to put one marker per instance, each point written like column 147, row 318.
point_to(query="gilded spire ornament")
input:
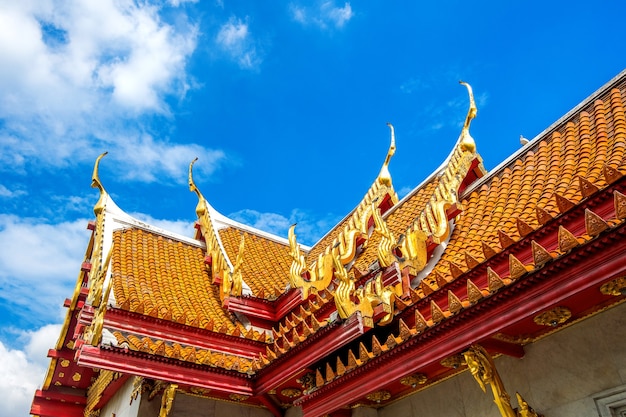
column 221, row 268
column 384, row 177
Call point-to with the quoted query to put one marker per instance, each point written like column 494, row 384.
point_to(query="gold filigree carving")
column 378, row 396
column 454, row 361
column 76, row 377
column 567, row 240
column 387, row 243
column 291, row 392
column 540, row 254
column 615, row 287
column 484, row 371
column 238, row 397
column 524, row 409
column 619, row 202
column 65, row 363
column 594, row 224
column 553, row 317
column 167, row 400
column 414, row 380
column 320, row 274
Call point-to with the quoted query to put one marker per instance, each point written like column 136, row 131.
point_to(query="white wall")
column 120, row 405
column 558, row 376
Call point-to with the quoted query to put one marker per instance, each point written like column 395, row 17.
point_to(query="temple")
column 478, row 294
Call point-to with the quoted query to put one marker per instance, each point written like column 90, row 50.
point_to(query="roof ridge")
column 381, row 183
column 533, row 143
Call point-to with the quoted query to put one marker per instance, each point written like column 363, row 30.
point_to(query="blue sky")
column 284, row 103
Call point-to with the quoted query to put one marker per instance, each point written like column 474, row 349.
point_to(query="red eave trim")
column 251, row 307
column 270, row 311
column 587, row 267
column 306, row 354
column 288, row 302
column 133, row 363
column 60, row 396
column 138, row 324
column 49, row 408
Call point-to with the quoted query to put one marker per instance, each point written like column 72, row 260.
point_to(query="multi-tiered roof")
column 381, row 307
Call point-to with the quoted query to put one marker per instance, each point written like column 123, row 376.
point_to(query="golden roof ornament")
column 384, row 177
column 220, row 266
column 467, row 142
column 95, row 183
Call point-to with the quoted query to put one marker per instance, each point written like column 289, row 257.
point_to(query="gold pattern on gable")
column 219, row 266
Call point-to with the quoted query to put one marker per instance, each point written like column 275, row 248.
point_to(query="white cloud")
column 78, row 78
column 234, row 38
column 41, row 257
column 5, row 192
column 309, row 231
column 182, row 227
column 23, row 371
column 324, row 14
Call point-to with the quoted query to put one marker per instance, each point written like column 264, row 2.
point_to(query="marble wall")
column 559, row 375
column 192, row 406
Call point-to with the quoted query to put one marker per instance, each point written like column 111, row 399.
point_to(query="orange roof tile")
column 266, row 262
column 160, row 277
column 578, row 147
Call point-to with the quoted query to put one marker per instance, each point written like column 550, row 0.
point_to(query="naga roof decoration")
column 382, row 306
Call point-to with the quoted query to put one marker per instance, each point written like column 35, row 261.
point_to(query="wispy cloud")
column 324, row 14
column 42, row 257
column 83, row 77
column 309, row 230
column 235, row 39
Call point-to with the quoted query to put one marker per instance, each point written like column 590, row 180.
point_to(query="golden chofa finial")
column 95, row 183
column 467, row 142
column 201, row 207
column 384, row 177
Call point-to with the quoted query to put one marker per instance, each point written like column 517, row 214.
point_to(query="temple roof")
column 248, row 304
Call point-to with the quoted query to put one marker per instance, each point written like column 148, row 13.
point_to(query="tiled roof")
column 157, row 276
column 540, row 179
column 266, row 262
column 184, row 353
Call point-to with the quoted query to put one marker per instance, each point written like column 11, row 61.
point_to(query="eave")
column 572, row 280
column 155, row 328
column 149, row 366
column 315, row 348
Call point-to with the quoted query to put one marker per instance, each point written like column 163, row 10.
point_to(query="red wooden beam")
column 78, row 398
column 585, row 268
column 135, row 363
column 47, row 408
column 163, row 330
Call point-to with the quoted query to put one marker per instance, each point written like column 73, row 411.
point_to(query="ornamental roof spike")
column 474, row 294
column 540, row 254
column 220, row 263
column 384, row 177
column 567, row 240
column 488, row 251
column 587, row 188
column 516, row 267
column 96, row 183
column 594, row 224
column 619, row 202
column 563, row 203
column 523, row 228
column 543, row 216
